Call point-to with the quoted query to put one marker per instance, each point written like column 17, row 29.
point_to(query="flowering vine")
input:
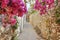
column 42, row 6
column 15, row 7
column 10, row 9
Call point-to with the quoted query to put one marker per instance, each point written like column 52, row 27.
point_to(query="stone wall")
column 44, row 25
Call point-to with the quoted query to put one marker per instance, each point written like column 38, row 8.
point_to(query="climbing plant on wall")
column 43, row 5
column 10, row 9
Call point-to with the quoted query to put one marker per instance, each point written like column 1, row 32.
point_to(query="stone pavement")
column 28, row 33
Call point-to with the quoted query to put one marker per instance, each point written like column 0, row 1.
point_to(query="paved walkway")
column 28, row 33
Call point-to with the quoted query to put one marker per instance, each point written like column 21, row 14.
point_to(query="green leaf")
column 56, row 2
column 57, row 12
column 25, row 1
column 58, row 21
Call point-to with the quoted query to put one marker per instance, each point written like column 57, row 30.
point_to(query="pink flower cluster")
column 42, row 6
column 16, row 7
column 6, row 21
column 11, row 8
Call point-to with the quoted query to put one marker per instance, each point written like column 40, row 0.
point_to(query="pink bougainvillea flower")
column 50, row 3
column 21, row 14
column 37, row 5
column 13, row 1
column 4, row 3
column 13, row 21
column 11, row 8
column 18, row 7
column 43, row 0
column 15, row 5
column 4, row 25
column 4, row 21
column 42, row 6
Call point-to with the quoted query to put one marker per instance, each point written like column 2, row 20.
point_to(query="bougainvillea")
column 7, row 20
column 16, row 7
column 50, row 3
column 42, row 6
column 10, row 9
